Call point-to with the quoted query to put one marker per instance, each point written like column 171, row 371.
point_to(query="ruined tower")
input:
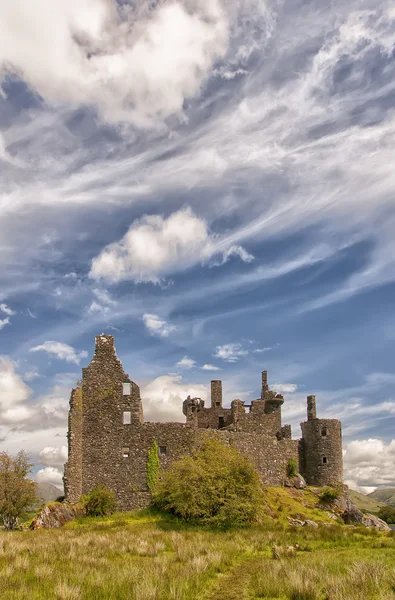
column 321, row 460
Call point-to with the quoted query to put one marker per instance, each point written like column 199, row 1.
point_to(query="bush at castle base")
column 216, row 485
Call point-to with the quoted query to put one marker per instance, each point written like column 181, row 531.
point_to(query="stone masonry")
column 109, row 440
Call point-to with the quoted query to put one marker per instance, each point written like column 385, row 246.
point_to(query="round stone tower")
column 322, row 460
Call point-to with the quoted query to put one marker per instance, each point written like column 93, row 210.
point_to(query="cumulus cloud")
column 186, row 363
column 157, row 326
column 155, row 246
column 208, row 367
column 53, row 456
column 369, row 463
column 61, row 351
column 14, row 394
column 50, row 475
column 163, row 397
column 7, row 310
column 102, row 53
column 230, row 352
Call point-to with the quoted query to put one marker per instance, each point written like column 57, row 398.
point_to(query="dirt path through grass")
column 234, row 585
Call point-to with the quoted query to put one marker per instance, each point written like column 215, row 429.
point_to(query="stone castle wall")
column 109, row 440
column 73, row 469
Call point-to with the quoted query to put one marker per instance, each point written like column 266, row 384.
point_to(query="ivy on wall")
column 153, row 466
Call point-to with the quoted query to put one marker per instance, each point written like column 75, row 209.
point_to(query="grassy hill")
column 366, row 504
column 386, row 495
column 150, row 556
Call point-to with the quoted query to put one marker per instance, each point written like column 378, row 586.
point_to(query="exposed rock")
column 56, row 515
column 309, row 523
column 295, row 522
column 332, row 516
column 353, row 515
column 372, row 521
column 297, row 482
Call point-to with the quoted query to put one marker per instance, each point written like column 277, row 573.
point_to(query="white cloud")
column 53, row 456
column 230, row 352
column 30, row 375
column 155, row 246
column 104, row 297
column 4, row 322
column 235, row 251
column 163, row 397
column 50, row 475
column 208, row 367
column 186, row 363
column 285, row 387
column 157, row 326
column 102, row 61
column 369, row 463
column 8, row 311
column 61, row 351
column 260, row 350
column 14, row 394
column 95, row 307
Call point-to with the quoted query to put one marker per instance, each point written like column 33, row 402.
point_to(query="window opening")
column 162, row 450
column 221, row 422
column 126, row 389
column 218, row 404
column 127, row 417
column 125, row 452
column 323, row 432
column 324, row 460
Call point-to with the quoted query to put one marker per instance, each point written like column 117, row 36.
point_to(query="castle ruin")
column 108, row 440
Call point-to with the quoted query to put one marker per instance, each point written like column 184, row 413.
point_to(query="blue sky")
column 213, row 184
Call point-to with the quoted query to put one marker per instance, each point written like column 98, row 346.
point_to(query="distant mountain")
column 365, row 503
column 386, row 495
column 46, row 492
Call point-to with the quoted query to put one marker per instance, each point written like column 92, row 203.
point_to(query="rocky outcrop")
column 56, row 515
column 299, row 523
column 297, row 482
column 372, row 521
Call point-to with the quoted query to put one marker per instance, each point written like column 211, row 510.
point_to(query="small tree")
column 216, row 485
column 153, row 467
column 16, row 491
column 99, row 502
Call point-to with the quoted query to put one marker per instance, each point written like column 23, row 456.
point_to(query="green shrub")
column 99, row 502
column 329, row 495
column 216, row 485
column 387, row 513
column 292, row 467
column 153, row 467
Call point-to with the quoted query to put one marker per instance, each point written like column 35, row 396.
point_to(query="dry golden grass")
column 148, row 557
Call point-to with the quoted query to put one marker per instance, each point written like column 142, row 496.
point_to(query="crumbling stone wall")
column 73, row 469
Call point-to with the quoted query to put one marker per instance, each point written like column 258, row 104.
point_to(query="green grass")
column 148, row 556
